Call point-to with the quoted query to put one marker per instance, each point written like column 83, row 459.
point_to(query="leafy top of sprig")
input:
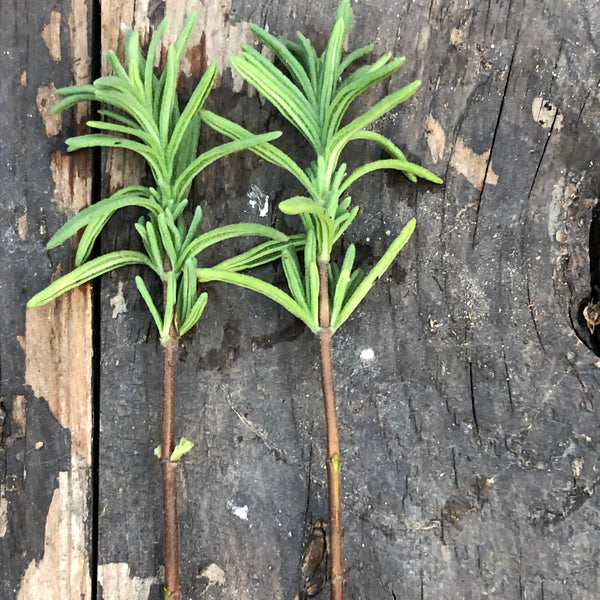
column 141, row 113
column 314, row 94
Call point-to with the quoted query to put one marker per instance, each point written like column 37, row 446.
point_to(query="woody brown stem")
column 336, row 584
column 168, row 468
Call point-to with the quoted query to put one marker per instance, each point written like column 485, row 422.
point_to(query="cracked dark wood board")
column 45, row 354
column 470, row 440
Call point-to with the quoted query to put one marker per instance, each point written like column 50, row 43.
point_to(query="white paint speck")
column 118, row 302
column 258, row 199
column 367, row 354
column 241, row 512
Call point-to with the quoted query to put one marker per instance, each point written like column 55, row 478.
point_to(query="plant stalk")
column 336, row 583
column 168, row 468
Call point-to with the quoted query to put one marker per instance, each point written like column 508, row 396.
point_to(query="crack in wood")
column 494, row 136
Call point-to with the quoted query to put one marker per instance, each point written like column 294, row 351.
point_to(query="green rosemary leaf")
column 330, row 60
column 295, row 69
column 339, row 291
column 76, row 90
column 194, row 314
column 184, row 35
column 118, row 117
column 208, row 157
column 89, row 237
column 225, row 233
column 333, row 274
column 141, row 286
column 170, row 301
column 261, row 254
column 343, row 136
column 309, row 55
column 166, row 238
column 265, row 150
column 149, row 77
column 353, row 56
column 118, row 70
column 182, row 447
column 154, row 247
column 72, row 100
column 262, row 287
column 168, row 99
column 188, row 286
column 391, row 163
column 192, row 229
column 313, row 283
column 87, row 272
column 280, row 91
column 174, row 231
column 193, row 106
column 376, row 272
column 342, row 223
column 131, row 196
column 133, row 56
column 145, row 137
column 291, row 268
column 387, row 145
column 355, row 279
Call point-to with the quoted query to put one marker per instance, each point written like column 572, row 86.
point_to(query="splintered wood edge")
column 58, row 352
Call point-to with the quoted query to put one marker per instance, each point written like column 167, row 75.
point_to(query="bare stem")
column 168, row 468
column 336, row 584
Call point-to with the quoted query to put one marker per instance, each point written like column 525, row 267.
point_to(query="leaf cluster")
column 314, row 94
column 141, row 113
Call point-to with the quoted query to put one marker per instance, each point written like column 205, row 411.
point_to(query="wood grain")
column 45, row 385
column 468, row 400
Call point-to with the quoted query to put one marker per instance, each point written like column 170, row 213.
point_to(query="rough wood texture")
column 470, row 440
column 45, row 384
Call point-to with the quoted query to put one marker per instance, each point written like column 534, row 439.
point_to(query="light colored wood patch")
column 45, row 99
column 213, row 574
column 3, row 510
column 118, row 302
column 545, row 113
column 22, row 227
column 436, row 138
column 24, row 78
column 63, row 572
column 80, row 62
column 72, row 180
column 19, row 414
column 457, row 37
column 51, row 35
column 117, row 582
column 215, row 36
column 473, row 166
column 58, row 358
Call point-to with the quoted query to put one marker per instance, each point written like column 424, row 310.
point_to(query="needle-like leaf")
column 376, row 272
column 87, row 272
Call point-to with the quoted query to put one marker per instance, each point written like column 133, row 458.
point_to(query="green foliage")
column 314, row 94
column 142, row 114
column 182, row 448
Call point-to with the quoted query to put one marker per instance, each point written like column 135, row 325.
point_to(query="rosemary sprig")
column 314, row 93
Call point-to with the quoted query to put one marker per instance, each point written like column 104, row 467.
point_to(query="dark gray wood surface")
column 471, row 439
column 45, row 354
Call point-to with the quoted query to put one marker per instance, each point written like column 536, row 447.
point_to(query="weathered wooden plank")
column 45, row 384
column 470, row 432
